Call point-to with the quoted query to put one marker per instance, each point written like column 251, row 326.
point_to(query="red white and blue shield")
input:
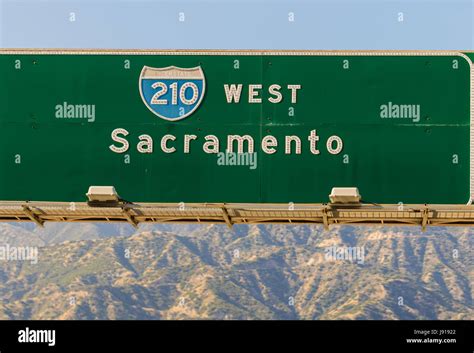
column 173, row 93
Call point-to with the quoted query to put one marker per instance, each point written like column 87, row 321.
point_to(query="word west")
column 237, row 159
column 37, row 336
column 269, row 144
column 233, row 93
column 400, row 111
column 75, row 111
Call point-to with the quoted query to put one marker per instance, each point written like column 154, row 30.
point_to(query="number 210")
column 163, row 89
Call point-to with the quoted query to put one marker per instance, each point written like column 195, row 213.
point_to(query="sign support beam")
column 130, row 218
column 325, row 219
column 31, row 215
column 425, row 219
column 230, row 214
column 226, row 217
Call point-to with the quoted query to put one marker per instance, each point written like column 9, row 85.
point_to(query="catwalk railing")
column 233, row 213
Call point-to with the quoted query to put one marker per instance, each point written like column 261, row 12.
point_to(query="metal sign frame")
column 229, row 214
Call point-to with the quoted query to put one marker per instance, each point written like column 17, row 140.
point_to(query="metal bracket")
column 424, row 220
column 31, row 215
column 325, row 218
column 226, row 217
column 129, row 217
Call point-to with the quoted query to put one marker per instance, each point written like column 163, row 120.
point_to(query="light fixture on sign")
column 345, row 195
column 100, row 194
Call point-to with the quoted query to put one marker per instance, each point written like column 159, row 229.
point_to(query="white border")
column 275, row 53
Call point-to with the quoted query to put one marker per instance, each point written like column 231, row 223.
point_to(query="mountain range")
column 112, row 271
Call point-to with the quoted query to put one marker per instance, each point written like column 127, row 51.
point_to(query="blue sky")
column 230, row 24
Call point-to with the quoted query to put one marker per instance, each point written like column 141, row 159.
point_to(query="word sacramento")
column 269, row 144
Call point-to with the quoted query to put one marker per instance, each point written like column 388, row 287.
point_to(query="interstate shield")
column 172, row 93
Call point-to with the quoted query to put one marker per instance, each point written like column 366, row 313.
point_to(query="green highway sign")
column 237, row 126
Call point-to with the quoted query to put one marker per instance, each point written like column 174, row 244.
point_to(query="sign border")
column 460, row 53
